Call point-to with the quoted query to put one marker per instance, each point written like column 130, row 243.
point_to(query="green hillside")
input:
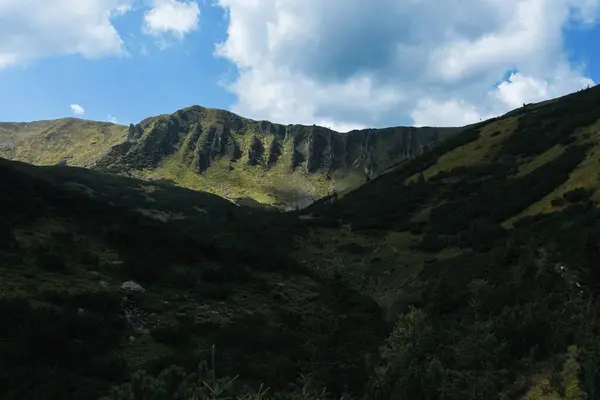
column 69, row 141
column 489, row 245
column 216, row 151
column 469, row 271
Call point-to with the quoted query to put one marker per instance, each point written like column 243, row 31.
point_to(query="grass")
column 586, row 175
column 74, row 141
column 476, row 152
column 379, row 265
column 544, row 384
column 544, row 158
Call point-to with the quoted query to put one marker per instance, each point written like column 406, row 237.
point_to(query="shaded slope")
column 68, row 329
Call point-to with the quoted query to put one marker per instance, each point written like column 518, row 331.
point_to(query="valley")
column 465, row 267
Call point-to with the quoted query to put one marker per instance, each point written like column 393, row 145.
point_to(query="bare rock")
column 133, row 286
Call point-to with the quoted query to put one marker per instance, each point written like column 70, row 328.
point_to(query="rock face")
column 204, row 136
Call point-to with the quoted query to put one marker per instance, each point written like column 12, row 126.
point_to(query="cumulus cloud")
column 39, row 28
column 519, row 88
column 428, row 112
column 112, row 119
column 77, row 109
column 353, row 63
column 172, row 16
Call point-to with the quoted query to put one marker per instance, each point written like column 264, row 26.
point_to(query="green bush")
column 175, row 382
column 577, row 195
column 51, row 261
column 174, row 335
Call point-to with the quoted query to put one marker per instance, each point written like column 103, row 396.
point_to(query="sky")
column 343, row 64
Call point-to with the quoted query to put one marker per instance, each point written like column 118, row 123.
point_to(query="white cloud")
column 452, row 112
column 511, row 93
column 112, row 119
column 519, row 89
column 383, row 62
column 39, row 28
column 172, row 16
column 77, row 109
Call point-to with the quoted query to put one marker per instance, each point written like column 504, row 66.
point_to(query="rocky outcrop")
column 213, row 144
column 256, row 151
column 200, row 137
column 134, row 132
column 132, row 286
column 315, row 148
column 145, row 149
column 275, row 151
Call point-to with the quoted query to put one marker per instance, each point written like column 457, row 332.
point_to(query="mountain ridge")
column 220, row 152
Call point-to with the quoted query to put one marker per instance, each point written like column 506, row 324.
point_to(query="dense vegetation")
column 69, row 330
column 512, row 301
column 494, row 295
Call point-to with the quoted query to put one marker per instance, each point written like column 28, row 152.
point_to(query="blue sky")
column 127, row 88
column 341, row 63
column 583, row 45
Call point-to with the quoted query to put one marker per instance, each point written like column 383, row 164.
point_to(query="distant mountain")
column 220, row 152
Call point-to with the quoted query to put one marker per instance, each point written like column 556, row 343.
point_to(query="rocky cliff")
column 290, row 164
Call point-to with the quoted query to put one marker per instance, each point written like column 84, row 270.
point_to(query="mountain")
column 68, row 141
column 469, row 271
column 220, row 152
column 486, row 249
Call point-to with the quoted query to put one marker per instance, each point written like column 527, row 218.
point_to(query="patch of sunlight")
column 475, row 152
column 586, row 175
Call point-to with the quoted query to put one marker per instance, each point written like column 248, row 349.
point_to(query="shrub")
column 558, row 202
column 577, row 195
column 353, row 248
column 174, row 335
column 180, row 277
column 51, row 261
column 432, row 243
column 213, row 291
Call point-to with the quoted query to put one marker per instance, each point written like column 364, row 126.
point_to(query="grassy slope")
column 390, row 235
column 75, row 141
column 481, row 151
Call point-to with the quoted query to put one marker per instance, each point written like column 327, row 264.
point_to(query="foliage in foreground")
column 174, row 383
